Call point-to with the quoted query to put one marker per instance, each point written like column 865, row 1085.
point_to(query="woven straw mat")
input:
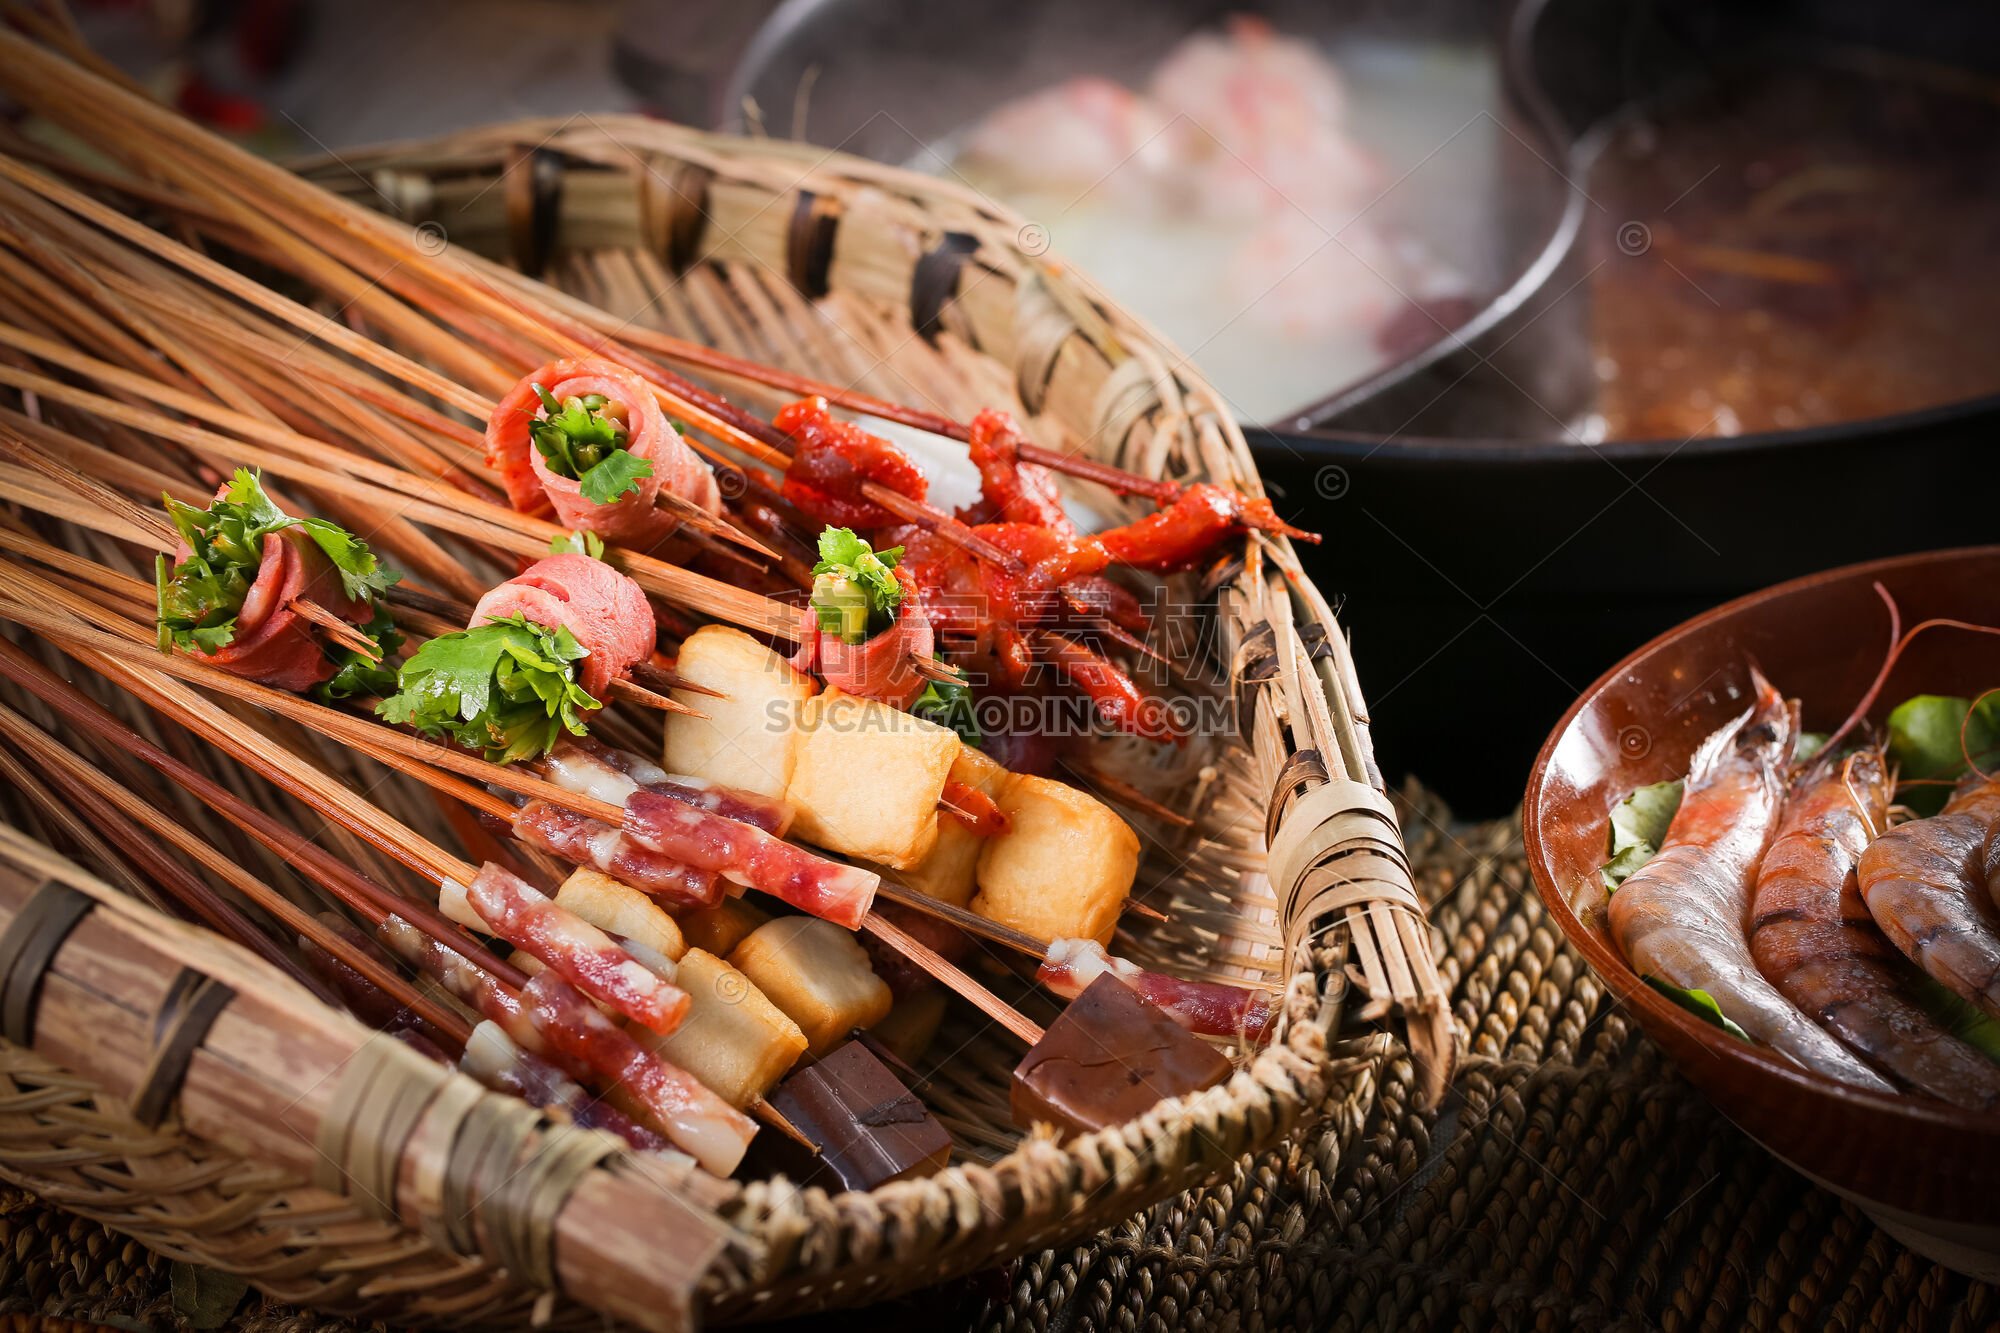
column 1571, row 1180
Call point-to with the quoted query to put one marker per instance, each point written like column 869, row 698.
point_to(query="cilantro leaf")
column 581, row 542
column 1929, row 737
column 950, row 706
column 246, row 492
column 1638, row 824
column 619, row 473
column 195, row 603
column 581, row 438
column 855, row 590
column 1701, row 1004
column 362, row 576
column 507, row 687
column 197, row 599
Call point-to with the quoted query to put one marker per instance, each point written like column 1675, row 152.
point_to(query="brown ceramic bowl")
column 1929, row 1173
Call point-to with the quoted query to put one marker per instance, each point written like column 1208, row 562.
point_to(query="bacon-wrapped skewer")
column 589, row 767
column 492, row 1057
column 698, row 1121
column 745, row 854
column 496, row 1061
column 242, row 589
column 541, row 650
column 1207, row 1007
column 505, row 905
column 581, row 840
column 550, row 1018
column 587, row 439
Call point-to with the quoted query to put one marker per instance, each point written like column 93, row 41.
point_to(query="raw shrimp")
column 1680, row 918
column 1812, row 937
column 1921, row 883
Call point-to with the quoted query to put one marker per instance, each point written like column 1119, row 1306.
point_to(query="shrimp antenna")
column 1965, row 735
column 1854, row 797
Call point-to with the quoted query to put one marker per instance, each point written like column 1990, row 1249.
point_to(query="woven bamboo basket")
column 175, row 1087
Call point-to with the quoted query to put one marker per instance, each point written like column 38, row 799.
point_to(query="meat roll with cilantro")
column 863, row 630
column 230, row 593
column 587, row 441
column 542, row 649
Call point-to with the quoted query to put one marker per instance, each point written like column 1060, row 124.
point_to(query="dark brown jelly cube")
column 870, row 1128
column 1108, row 1059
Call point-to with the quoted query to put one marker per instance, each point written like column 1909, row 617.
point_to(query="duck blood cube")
column 869, row 1127
column 1108, row 1059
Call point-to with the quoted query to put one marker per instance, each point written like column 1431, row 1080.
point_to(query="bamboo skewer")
column 126, row 813
column 287, row 843
column 375, row 903
column 65, row 822
column 737, row 429
column 718, row 418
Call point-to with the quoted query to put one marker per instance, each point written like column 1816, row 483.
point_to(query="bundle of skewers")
column 679, row 763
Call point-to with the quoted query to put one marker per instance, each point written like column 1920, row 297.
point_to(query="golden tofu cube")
column 908, row 1030
column 867, row 778
column 1062, row 868
column 734, row 1039
column 619, row 909
column 719, row 929
column 818, row 974
column 947, row 873
column 748, row 740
